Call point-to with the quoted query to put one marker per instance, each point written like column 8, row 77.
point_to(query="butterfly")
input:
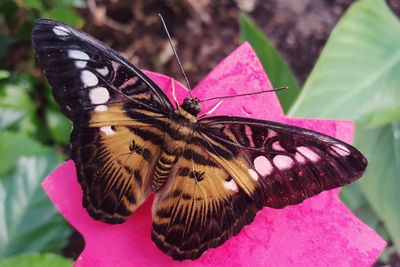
column 210, row 175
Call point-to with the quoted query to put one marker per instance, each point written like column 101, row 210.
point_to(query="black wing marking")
column 284, row 164
column 106, row 98
column 199, row 207
column 86, row 74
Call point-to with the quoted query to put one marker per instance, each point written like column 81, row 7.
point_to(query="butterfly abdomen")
column 175, row 140
column 162, row 170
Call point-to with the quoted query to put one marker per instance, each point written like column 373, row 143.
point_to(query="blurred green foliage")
column 357, row 77
column 36, row 260
column 34, row 132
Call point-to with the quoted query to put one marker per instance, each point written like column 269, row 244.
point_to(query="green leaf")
column 36, row 260
column 32, row 4
column 13, row 145
column 64, row 13
column 5, row 43
column 59, row 126
column 4, row 74
column 381, row 182
column 75, row 3
column 357, row 75
column 29, row 222
column 276, row 68
column 15, row 102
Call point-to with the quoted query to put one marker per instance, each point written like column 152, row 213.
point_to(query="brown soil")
column 205, row 31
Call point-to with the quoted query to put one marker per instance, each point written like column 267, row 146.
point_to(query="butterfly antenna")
column 254, row 93
column 176, row 55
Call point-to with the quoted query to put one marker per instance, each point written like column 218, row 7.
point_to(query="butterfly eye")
column 191, row 105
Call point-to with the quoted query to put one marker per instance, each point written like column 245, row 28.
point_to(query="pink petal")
column 319, row 232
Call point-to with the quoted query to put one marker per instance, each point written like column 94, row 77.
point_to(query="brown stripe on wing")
column 114, row 169
column 200, row 207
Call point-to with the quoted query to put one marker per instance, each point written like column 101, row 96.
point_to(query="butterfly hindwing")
column 200, row 207
column 117, row 115
column 114, row 158
column 232, row 168
column 280, row 164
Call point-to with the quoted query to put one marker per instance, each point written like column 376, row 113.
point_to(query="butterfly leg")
column 211, row 110
column 174, row 93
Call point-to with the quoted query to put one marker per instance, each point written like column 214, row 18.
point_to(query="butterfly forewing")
column 284, row 164
column 110, row 102
column 85, row 74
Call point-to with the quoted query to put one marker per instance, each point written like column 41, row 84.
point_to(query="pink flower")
column 319, row 232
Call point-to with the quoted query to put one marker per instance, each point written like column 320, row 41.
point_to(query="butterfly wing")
column 117, row 114
column 244, row 165
column 85, row 74
column 199, row 207
column 280, row 164
column 114, row 166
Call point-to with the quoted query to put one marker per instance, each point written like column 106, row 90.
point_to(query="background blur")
column 340, row 58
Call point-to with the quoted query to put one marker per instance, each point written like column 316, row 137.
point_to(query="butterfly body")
column 178, row 132
column 211, row 175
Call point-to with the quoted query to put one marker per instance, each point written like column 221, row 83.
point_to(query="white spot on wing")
column 103, row 71
column 341, row 149
column 277, row 146
column 283, row 162
column 107, row 130
column 77, row 54
column 308, row 153
column 263, row 165
column 231, row 185
column 101, row 108
column 80, row 64
column 129, row 82
column 99, row 95
column 88, row 78
column 299, row 158
column 61, row 30
column 253, row 174
column 271, row 134
column 249, row 134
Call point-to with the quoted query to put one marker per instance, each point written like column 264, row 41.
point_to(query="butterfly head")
column 191, row 106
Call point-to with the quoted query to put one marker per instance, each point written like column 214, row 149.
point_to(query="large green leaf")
column 276, row 68
column 358, row 73
column 14, row 145
column 29, row 222
column 36, row 260
column 381, row 182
